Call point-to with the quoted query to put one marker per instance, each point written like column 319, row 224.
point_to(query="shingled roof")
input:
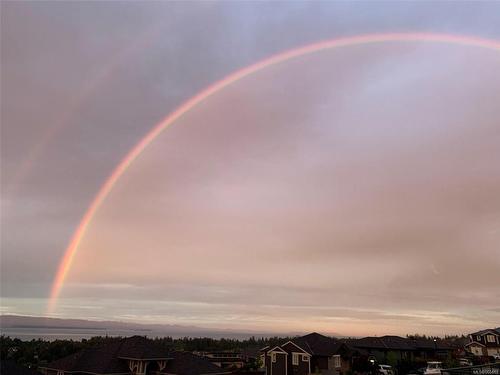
column 399, row 343
column 110, row 358
column 384, row 342
column 421, row 343
column 317, row 344
column 485, row 331
column 186, row 363
column 99, row 360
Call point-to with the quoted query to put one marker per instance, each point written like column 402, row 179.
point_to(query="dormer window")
column 490, row 338
column 295, row 359
column 273, row 357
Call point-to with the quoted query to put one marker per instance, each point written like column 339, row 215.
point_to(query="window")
column 295, row 359
column 336, row 361
column 490, row 338
column 273, row 357
column 305, row 358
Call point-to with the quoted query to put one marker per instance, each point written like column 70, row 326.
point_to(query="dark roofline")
column 297, row 346
column 485, row 331
column 84, row 372
column 278, row 351
column 146, row 359
column 474, row 343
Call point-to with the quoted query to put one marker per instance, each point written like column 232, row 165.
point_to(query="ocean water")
column 50, row 334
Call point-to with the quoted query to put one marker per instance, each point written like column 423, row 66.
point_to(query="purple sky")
column 352, row 191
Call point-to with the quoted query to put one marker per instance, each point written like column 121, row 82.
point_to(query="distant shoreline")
column 37, row 327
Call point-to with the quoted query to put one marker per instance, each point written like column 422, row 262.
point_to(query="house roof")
column 485, row 331
column 277, row 349
column 317, row 344
column 108, row 358
column 12, row 368
column 185, row 363
column 100, row 360
column 456, row 343
column 369, row 342
column 421, row 343
column 286, row 346
column 474, row 343
column 384, row 342
column 400, row 343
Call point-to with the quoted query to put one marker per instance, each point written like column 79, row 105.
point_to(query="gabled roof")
column 485, row 331
column 108, row 358
column 295, row 346
column 277, row 349
column 474, row 343
column 316, row 344
column 185, row 363
column 384, row 342
column 99, row 360
column 12, row 368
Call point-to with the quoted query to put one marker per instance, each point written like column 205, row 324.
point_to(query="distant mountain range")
column 35, row 326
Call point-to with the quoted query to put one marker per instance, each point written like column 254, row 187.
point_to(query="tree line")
column 37, row 352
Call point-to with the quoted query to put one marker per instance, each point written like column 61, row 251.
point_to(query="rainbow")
column 134, row 153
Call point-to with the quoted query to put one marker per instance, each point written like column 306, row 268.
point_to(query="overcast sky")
column 351, row 191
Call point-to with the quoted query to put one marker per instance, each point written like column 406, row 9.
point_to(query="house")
column 390, row 350
column 225, row 359
column 457, row 346
column 329, row 355
column 298, row 359
column 274, row 360
column 484, row 343
column 431, row 349
column 131, row 356
column 312, row 353
column 403, row 353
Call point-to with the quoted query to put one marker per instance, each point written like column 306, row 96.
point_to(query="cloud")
column 338, row 179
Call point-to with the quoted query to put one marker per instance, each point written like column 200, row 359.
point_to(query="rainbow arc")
column 135, row 152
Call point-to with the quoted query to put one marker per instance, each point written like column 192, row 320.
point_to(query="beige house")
column 484, row 343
